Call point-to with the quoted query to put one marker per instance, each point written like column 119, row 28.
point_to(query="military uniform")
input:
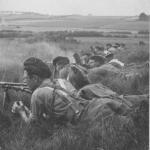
column 63, row 73
column 95, row 91
column 100, row 108
column 98, row 74
column 56, row 106
column 48, row 103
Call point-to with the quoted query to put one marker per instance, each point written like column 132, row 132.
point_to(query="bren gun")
column 15, row 86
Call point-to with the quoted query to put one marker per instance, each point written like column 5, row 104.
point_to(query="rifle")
column 16, row 86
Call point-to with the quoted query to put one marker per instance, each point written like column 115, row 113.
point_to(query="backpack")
column 95, row 91
column 75, row 105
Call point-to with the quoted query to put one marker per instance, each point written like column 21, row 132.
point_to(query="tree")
column 143, row 17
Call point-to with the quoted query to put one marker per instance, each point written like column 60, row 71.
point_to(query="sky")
column 82, row 7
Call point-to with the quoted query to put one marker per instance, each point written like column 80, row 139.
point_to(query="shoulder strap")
column 51, row 110
column 68, row 98
column 53, row 101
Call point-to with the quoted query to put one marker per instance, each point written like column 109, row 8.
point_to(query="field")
column 37, row 22
column 25, row 38
column 104, row 40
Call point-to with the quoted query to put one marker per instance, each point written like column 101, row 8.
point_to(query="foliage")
column 144, row 32
column 139, row 56
column 143, row 17
column 113, row 132
column 13, row 33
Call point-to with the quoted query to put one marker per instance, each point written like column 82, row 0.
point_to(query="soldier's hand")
column 17, row 107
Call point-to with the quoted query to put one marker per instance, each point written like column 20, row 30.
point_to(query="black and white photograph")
column 74, row 74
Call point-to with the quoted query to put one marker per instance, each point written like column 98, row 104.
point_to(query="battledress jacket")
column 45, row 103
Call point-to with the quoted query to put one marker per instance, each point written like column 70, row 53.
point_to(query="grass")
column 14, row 52
column 140, row 55
column 113, row 133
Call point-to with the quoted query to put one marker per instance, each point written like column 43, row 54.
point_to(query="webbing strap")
column 72, row 104
column 51, row 111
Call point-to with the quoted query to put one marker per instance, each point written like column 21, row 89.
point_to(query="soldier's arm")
column 19, row 108
column 40, row 98
column 29, row 116
column 25, row 117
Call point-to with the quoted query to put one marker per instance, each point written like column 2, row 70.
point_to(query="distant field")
column 104, row 40
column 37, row 22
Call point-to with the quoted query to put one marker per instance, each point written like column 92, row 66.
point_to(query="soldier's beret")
column 122, row 44
column 98, row 58
column 108, row 44
column 99, row 48
column 117, row 44
column 61, row 60
column 37, row 66
column 86, row 54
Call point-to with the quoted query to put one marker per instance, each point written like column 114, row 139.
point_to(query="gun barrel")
column 12, row 84
column 16, row 86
